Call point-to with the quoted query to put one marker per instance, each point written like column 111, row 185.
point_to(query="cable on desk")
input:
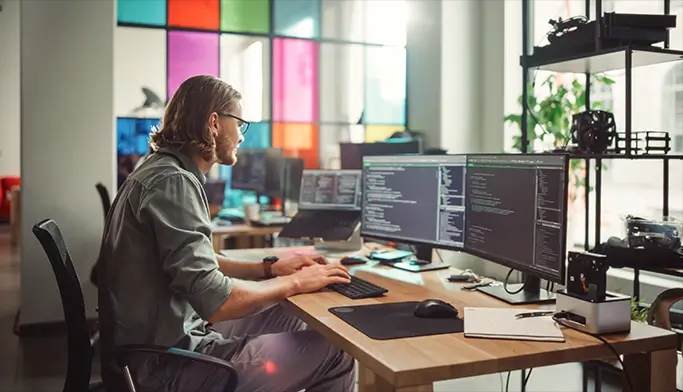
column 524, row 382
column 560, row 319
column 505, row 284
column 438, row 255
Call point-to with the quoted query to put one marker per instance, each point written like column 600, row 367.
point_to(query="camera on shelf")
column 648, row 234
column 593, row 131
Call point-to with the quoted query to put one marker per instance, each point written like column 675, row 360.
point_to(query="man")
column 163, row 284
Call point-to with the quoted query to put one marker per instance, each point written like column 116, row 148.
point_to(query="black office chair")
column 104, row 196
column 106, row 205
column 219, row 375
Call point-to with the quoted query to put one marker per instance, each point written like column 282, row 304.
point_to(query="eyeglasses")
column 243, row 124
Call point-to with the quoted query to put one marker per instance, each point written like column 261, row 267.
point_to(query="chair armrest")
column 179, row 367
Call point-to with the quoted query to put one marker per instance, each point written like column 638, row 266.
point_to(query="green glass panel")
column 245, row 16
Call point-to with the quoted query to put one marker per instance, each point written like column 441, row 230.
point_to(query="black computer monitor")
column 294, row 170
column 330, row 190
column 250, row 172
column 215, row 191
column 517, row 217
column 275, row 165
column 351, row 154
column 509, row 208
column 417, row 200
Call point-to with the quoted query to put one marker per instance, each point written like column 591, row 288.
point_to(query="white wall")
column 9, row 90
column 67, row 144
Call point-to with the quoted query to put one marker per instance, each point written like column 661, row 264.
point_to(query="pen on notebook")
column 535, row 314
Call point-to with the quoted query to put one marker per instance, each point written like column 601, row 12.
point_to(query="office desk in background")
column 246, row 236
column 414, row 364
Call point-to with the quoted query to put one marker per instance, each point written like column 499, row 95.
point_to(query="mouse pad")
column 394, row 321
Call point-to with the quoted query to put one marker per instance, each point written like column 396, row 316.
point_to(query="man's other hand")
column 317, row 276
column 284, row 267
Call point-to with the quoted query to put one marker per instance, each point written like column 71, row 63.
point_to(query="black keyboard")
column 358, row 289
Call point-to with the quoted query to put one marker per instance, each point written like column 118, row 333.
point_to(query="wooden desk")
column 244, row 234
column 413, row 364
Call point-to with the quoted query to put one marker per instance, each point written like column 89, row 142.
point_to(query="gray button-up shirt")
column 159, row 278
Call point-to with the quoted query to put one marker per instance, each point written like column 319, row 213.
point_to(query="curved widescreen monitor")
column 508, row 208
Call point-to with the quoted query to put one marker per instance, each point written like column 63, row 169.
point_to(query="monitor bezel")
column 558, row 278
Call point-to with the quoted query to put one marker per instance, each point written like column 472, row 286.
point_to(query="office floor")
column 38, row 363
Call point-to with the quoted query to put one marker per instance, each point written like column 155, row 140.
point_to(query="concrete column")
column 67, row 140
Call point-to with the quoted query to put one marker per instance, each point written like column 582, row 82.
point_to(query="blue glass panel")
column 385, row 86
column 297, row 18
column 146, row 12
column 258, row 136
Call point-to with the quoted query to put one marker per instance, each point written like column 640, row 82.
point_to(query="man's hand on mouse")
column 288, row 266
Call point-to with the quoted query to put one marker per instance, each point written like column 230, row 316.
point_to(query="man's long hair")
column 185, row 125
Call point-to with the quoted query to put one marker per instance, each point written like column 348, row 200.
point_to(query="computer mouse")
column 435, row 308
column 351, row 260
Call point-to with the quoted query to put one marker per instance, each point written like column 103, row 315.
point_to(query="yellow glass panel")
column 380, row 133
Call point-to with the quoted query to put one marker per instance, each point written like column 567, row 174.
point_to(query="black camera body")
column 587, row 276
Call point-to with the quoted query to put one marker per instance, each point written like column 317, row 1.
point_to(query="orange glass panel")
column 196, row 14
column 380, row 133
column 298, row 141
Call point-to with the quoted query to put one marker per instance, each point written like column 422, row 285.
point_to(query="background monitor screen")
column 294, row 170
column 330, row 190
column 250, row 172
column 509, row 208
column 352, row 154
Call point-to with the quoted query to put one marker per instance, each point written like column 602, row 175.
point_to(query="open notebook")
column 501, row 323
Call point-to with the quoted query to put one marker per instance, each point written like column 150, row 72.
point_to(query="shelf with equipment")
column 588, row 62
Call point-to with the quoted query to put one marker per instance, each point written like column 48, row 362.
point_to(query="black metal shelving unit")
column 602, row 60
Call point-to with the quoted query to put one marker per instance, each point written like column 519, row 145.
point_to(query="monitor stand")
column 352, row 244
column 531, row 294
column 424, row 263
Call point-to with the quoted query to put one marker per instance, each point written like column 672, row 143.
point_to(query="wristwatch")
column 267, row 266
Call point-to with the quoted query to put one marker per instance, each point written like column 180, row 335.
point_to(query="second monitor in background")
column 259, row 170
column 510, row 209
column 329, row 207
column 352, row 154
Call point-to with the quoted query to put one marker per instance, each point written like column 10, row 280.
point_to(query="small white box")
column 609, row 316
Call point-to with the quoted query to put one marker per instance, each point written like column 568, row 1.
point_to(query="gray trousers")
column 273, row 351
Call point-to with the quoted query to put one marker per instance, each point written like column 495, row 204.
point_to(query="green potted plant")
column 549, row 118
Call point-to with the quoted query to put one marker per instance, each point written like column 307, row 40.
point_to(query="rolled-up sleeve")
column 175, row 211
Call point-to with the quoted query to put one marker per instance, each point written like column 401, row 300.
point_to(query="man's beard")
column 224, row 152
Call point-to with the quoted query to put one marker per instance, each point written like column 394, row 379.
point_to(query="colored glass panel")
column 342, row 83
column 147, row 12
column 380, row 133
column 298, row 141
column 245, row 64
column 197, row 14
column 295, row 80
column 297, row 18
column 191, row 54
column 132, row 135
column 140, row 62
column 252, row 16
column 385, row 85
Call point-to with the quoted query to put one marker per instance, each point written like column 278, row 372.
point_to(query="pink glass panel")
column 190, row 54
column 295, row 80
